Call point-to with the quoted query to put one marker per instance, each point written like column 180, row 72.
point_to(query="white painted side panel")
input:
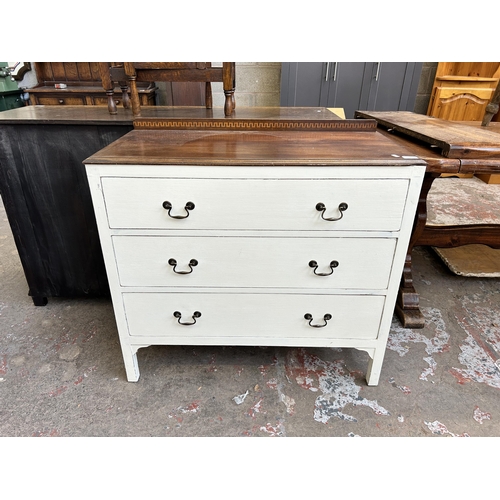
column 363, row 263
column 254, row 231
column 253, row 315
column 255, row 204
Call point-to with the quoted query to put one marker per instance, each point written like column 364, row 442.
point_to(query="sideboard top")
column 259, row 148
column 159, row 117
column 65, row 115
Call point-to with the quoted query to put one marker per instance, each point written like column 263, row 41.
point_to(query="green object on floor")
column 10, row 94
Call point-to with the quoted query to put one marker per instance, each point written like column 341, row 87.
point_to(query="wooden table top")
column 435, row 161
column 432, row 153
column 259, row 148
column 454, row 139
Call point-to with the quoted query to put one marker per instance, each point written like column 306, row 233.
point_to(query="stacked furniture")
column 188, row 84
column 462, row 90
column 79, row 83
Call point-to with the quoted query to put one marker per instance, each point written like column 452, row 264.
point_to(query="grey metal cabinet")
column 369, row 86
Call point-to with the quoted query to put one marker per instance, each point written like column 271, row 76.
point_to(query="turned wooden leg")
column 107, row 84
column 228, row 105
column 111, row 102
column 136, row 105
column 125, row 96
column 407, row 305
column 229, row 79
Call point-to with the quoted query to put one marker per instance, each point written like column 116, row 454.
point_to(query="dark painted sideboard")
column 46, row 194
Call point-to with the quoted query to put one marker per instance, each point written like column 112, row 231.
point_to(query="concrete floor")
column 61, row 372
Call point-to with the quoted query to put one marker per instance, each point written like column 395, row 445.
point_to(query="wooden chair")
column 182, row 72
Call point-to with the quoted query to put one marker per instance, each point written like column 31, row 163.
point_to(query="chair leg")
column 228, row 81
column 136, row 105
column 125, row 96
column 208, row 95
column 228, row 104
column 111, row 102
column 104, row 71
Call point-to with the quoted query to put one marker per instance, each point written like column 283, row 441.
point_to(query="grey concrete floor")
column 61, row 372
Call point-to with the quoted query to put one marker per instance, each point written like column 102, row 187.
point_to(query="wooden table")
column 447, row 148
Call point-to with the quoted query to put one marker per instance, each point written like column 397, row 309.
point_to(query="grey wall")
column 425, row 87
column 257, row 84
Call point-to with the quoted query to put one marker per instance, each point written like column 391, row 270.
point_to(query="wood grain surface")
column 455, row 139
column 210, row 147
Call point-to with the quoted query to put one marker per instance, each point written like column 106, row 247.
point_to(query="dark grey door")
column 304, row 84
column 370, row 86
column 347, row 80
column 393, row 86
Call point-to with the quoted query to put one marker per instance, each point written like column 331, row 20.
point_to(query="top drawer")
column 255, row 204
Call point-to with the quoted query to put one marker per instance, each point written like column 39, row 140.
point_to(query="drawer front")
column 103, row 101
column 67, row 101
column 255, row 204
column 349, row 263
column 252, row 316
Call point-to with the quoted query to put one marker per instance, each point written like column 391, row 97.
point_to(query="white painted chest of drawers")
column 288, row 254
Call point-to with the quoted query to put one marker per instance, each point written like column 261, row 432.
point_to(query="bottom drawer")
column 252, row 316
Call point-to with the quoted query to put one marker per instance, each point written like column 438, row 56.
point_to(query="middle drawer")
column 274, row 262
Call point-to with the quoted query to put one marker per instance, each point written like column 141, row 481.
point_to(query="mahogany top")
column 255, row 148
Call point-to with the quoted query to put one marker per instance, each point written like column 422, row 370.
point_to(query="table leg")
column 407, row 305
